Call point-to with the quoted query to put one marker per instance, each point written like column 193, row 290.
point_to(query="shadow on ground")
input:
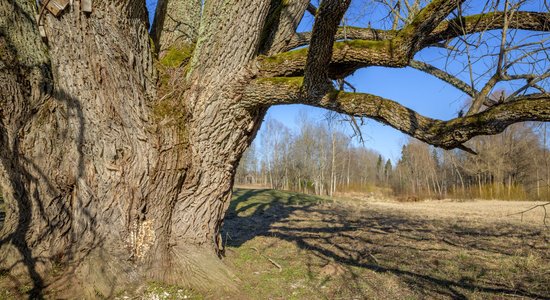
column 2, row 213
column 436, row 258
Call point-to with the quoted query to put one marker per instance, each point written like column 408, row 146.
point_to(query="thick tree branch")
column 350, row 33
column 445, row 134
column 535, row 21
column 176, row 23
column 371, row 47
column 328, row 17
column 426, row 21
column 347, row 56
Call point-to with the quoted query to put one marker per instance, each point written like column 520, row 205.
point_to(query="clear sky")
column 414, row 89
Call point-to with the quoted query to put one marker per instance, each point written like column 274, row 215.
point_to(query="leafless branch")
column 269, row 259
column 311, row 9
column 459, row 26
column 532, row 208
column 452, row 80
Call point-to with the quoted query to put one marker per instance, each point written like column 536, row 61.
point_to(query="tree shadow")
column 434, row 258
column 36, row 198
column 2, row 212
column 251, row 213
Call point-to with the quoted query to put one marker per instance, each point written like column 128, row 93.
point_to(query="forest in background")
column 321, row 158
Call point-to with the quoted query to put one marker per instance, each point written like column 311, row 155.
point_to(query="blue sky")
column 414, row 89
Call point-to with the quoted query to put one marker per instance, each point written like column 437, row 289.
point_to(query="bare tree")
column 509, row 165
column 119, row 166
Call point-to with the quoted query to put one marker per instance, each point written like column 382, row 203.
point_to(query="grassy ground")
column 289, row 246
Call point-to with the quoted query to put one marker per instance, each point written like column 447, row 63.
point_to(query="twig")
column 269, row 259
column 41, row 14
column 373, row 258
column 531, row 208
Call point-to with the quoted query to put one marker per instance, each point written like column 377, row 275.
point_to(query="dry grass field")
column 284, row 245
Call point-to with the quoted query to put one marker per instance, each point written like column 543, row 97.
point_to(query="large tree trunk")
column 102, row 176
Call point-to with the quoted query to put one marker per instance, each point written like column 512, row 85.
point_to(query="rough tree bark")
column 101, row 174
column 117, row 167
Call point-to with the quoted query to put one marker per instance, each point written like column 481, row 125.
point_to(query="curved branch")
column 347, row 57
column 535, row 21
column 445, row 134
column 373, row 47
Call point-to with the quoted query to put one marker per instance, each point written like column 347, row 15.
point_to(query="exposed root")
column 102, row 274
column 197, row 268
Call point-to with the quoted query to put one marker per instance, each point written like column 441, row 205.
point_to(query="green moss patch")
column 290, row 55
column 364, row 44
column 291, row 81
column 177, row 56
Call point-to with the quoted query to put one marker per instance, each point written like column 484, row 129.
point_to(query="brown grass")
column 385, row 250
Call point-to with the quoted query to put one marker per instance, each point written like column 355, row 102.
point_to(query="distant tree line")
column 512, row 165
column 320, row 158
